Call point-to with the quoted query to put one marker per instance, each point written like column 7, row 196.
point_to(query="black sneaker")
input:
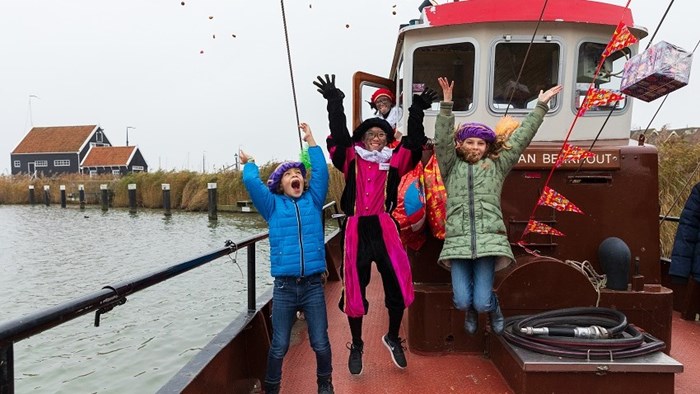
column 355, row 360
column 396, row 349
column 325, row 385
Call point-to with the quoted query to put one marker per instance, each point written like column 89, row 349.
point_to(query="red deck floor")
column 429, row 374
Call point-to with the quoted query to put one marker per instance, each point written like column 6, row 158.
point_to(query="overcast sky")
column 198, row 81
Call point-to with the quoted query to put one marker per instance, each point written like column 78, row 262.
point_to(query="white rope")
column 597, row 280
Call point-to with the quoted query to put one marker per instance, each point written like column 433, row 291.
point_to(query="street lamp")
column 127, row 134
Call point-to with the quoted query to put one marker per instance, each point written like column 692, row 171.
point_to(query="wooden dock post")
column 47, row 195
column 32, row 200
column 212, row 201
column 166, row 198
column 132, row 198
column 81, row 196
column 62, row 188
column 105, row 197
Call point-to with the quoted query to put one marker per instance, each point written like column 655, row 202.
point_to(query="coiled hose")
column 588, row 333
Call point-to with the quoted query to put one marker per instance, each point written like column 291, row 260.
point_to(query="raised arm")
column 444, row 130
column 411, row 148
column 336, row 113
column 262, row 197
column 318, row 185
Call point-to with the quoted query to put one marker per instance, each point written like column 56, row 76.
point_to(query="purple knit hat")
column 273, row 182
column 475, row 130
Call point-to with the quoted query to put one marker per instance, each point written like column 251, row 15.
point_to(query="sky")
column 193, row 83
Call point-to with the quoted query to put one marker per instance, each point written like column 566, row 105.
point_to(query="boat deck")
column 458, row 373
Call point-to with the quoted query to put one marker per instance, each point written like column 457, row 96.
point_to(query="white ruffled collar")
column 375, row 156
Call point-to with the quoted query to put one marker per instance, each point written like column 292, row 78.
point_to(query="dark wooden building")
column 116, row 160
column 55, row 150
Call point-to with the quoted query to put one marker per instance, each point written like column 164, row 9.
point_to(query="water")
column 50, row 255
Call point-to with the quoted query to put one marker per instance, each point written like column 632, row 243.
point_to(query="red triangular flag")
column 533, row 226
column 600, row 98
column 621, row 38
column 552, row 198
column 572, row 153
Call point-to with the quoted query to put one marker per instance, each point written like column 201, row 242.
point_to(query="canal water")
column 50, row 255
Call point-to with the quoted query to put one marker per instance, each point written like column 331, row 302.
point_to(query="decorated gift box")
column 656, row 72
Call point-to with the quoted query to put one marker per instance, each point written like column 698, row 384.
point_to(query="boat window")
column 540, row 72
column 454, row 61
column 609, row 77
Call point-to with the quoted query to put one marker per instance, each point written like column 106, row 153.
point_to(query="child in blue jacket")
column 292, row 208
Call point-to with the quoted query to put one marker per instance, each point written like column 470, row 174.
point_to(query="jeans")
column 290, row 295
column 472, row 283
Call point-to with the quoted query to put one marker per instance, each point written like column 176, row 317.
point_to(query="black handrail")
column 108, row 297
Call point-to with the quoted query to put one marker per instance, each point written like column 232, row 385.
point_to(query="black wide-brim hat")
column 373, row 122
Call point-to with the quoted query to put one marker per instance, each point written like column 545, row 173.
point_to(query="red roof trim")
column 481, row 11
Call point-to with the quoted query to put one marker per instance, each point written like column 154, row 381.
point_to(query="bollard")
column 132, row 198
column 47, row 195
column 105, row 197
column 31, row 195
column 212, row 201
column 63, row 195
column 81, row 196
column 166, row 198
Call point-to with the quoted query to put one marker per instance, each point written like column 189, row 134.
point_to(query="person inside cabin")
column 474, row 161
column 685, row 256
column 383, row 102
column 372, row 173
column 293, row 209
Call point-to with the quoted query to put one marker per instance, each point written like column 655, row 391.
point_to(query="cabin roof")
column 479, row 11
column 55, row 139
column 106, row 156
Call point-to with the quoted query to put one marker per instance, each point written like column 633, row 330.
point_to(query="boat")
column 483, row 46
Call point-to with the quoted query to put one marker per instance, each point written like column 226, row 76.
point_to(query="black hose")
column 618, row 339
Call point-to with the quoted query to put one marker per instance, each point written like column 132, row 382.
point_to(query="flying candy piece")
column 211, row 17
column 393, row 6
column 309, row 5
column 182, row 3
column 393, row 12
column 213, row 36
column 233, row 35
column 347, row 26
column 201, row 52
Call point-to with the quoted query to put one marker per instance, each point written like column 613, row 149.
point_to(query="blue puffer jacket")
column 296, row 229
column 685, row 257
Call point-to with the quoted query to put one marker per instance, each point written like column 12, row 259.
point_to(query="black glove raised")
column 425, row 99
column 327, row 88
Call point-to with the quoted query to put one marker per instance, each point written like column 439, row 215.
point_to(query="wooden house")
column 55, row 150
column 116, row 160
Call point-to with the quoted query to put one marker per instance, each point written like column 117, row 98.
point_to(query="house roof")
column 55, row 139
column 106, row 156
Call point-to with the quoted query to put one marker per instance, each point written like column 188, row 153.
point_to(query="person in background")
column 383, row 102
column 474, row 162
column 293, row 208
column 685, row 256
column 372, row 173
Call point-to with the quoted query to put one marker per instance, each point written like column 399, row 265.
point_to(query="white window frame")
column 116, row 172
column 93, row 172
column 17, row 164
column 61, row 163
column 620, row 107
column 41, row 163
column 137, row 168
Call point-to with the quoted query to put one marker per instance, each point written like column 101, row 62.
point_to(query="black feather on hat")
column 360, row 131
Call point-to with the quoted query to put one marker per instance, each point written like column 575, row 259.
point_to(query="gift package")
column 656, row 72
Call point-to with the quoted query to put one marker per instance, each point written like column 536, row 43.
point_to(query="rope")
column 659, row 25
column 291, row 72
column 597, row 280
column 527, row 53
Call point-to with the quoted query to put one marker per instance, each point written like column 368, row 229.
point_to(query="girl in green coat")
column 474, row 163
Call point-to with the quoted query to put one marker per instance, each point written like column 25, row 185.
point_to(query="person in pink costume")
column 372, row 174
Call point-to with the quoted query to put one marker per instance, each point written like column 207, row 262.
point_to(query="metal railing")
column 108, row 297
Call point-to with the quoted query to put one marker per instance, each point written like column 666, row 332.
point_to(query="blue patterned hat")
column 273, row 182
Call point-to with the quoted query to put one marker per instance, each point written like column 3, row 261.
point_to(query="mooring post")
column 81, row 196
column 7, row 370
column 166, row 198
column 132, row 198
column 105, row 197
column 47, row 195
column 212, row 201
column 62, row 188
column 31, row 195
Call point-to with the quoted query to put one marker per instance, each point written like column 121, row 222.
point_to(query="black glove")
column 425, row 99
column 327, row 88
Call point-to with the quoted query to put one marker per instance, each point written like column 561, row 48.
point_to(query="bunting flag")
column 572, row 153
column 621, row 38
column 599, row 98
column 528, row 250
column 554, row 199
column 533, row 226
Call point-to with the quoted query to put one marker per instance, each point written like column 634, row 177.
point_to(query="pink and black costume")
column 371, row 187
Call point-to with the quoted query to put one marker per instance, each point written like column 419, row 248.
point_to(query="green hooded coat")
column 474, row 225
